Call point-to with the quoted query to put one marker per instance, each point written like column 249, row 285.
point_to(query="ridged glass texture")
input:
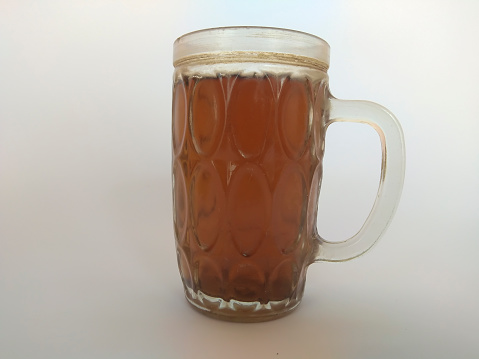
column 247, row 152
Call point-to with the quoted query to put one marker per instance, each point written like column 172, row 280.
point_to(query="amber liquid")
column 246, row 171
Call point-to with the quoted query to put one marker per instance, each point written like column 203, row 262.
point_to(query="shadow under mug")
column 251, row 107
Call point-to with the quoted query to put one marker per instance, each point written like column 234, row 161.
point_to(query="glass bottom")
column 237, row 311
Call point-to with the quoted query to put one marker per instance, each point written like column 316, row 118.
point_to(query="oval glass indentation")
column 313, row 199
column 283, row 280
column 247, row 282
column 250, row 109
column 184, row 268
column 180, row 113
column 207, row 204
column 294, row 117
column 207, row 277
column 208, row 115
column 289, row 208
column 249, row 208
column 321, row 115
column 180, row 203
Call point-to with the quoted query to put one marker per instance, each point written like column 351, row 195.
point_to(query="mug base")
column 238, row 311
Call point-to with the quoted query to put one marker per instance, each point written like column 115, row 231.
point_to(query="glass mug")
column 251, row 106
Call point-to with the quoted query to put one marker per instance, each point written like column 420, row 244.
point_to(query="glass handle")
column 390, row 184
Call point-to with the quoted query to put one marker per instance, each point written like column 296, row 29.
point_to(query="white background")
column 87, row 258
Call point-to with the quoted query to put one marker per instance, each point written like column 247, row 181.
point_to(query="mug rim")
column 251, row 43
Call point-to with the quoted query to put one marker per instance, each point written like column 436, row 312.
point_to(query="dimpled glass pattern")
column 247, row 151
